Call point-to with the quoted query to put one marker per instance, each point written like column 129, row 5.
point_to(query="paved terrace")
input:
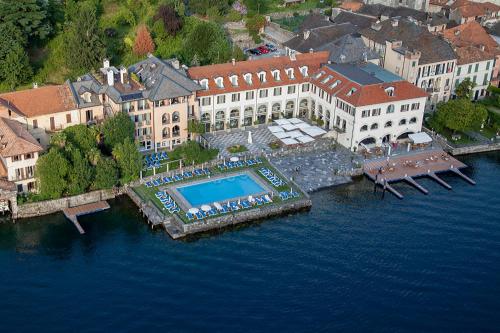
column 221, row 140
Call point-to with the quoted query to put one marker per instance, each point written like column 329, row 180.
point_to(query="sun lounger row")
column 156, row 157
column 285, row 195
column 231, row 206
column 177, row 177
column 239, row 164
column 167, row 202
column 275, row 180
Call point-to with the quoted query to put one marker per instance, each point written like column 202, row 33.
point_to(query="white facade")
column 480, row 73
column 20, row 170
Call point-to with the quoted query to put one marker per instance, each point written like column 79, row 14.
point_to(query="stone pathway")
column 261, row 138
column 317, row 169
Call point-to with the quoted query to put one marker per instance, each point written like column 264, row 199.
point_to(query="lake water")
column 353, row 263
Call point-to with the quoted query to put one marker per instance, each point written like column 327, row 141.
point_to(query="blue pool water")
column 222, row 189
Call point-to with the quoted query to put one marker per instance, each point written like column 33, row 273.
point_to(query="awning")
column 419, row 138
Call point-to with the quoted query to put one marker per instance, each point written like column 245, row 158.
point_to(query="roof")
column 15, row 139
column 318, row 37
column 354, row 85
column 413, row 37
column 378, row 10
column 312, row 60
column 39, row 101
column 494, row 29
column 361, row 21
column 349, row 49
column 351, row 5
column 473, row 9
column 419, row 138
column 472, row 43
column 313, row 21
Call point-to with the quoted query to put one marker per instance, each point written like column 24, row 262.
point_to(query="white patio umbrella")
column 250, row 141
column 206, row 208
column 193, row 210
column 218, row 205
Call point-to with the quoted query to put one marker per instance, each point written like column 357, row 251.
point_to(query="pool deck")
column 384, row 171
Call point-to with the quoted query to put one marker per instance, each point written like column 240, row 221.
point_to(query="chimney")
column 35, row 85
column 123, row 75
column 111, row 77
column 481, row 47
column 105, row 63
column 233, row 61
column 306, row 34
column 292, row 56
column 311, row 50
column 394, row 22
column 175, row 63
column 457, row 32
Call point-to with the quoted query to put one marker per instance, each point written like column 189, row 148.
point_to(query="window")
column 262, row 76
column 469, row 70
column 363, row 128
column 205, row 101
column 365, row 113
column 289, row 72
column 374, row 126
column 219, row 82
column 68, row 118
column 176, row 117
column 249, row 95
column 413, row 63
column 276, row 75
column 389, row 91
column 277, row 91
column 474, row 79
column 457, row 82
column 303, row 71
column 291, row 90
column 248, row 78
column 488, row 66
column 29, row 156
column 390, row 108
column 305, row 87
column 235, row 97
column 263, row 93
column 405, row 107
column 459, row 70
column 413, row 120
column 234, row 80
column 35, row 123
column 376, row 112
column 221, row 99
column 477, row 68
column 388, row 124
column 204, row 84
column 402, row 122
column 415, row 106
column 485, row 79
column 16, row 158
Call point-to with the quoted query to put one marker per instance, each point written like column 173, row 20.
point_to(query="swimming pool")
column 220, row 190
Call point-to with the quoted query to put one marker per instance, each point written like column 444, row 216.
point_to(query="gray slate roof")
column 313, row 21
column 349, row 49
column 433, row 48
column 318, row 37
column 358, row 20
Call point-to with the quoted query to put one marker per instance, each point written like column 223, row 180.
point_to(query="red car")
column 263, row 49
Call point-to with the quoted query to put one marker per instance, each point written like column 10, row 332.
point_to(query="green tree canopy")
column 129, row 160
column 81, row 136
column 208, row 42
column 106, row 174
column 464, row 89
column 117, row 128
column 460, row 114
column 84, row 46
column 15, row 67
column 51, row 171
column 80, row 173
column 29, row 15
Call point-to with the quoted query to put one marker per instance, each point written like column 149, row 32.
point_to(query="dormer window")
column 204, row 84
column 219, row 82
column 262, row 76
column 248, row 78
column 234, row 80
column 86, row 97
column 289, row 72
column 276, row 75
column 352, row 91
column 326, row 79
column 317, row 76
column 303, row 71
column 334, row 84
column 389, row 91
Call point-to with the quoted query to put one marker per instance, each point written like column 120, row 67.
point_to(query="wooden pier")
column 410, row 166
column 72, row 213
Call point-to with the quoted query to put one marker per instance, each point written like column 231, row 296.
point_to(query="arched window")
column 390, row 108
column 248, row 116
column 165, row 133
column 234, row 118
column 219, row 120
column 276, row 109
column 176, row 131
column 165, row 119
column 235, row 113
column 413, row 120
column 363, row 128
column 303, row 103
column 290, row 105
column 176, row 117
column 220, row 115
column 205, row 118
column 388, row 124
column 374, row 126
column 402, row 122
column 262, row 109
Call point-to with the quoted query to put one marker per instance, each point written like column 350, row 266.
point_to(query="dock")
column 384, row 171
column 72, row 213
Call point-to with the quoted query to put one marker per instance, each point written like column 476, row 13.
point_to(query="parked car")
column 271, row 47
column 263, row 49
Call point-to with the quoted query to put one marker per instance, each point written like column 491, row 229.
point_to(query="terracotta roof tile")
column 351, row 5
column 471, row 9
column 312, row 60
column 39, row 101
column 15, row 139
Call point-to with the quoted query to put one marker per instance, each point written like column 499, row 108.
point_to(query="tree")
column 461, row 114
column 51, row 171
column 129, row 160
column 255, row 23
column 28, row 15
column 208, row 41
column 81, row 136
column 106, row 174
column 58, row 140
column 143, row 42
column 84, row 46
column 170, row 19
column 464, row 89
column 15, row 68
column 116, row 129
column 80, row 173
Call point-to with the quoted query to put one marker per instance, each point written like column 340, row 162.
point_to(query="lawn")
column 237, row 149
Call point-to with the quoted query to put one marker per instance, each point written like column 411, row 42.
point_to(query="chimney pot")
column 111, row 77
column 233, row 61
column 105, row 63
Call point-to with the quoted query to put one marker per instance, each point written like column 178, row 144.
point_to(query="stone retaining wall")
column 462, row 150
column 47, row 207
